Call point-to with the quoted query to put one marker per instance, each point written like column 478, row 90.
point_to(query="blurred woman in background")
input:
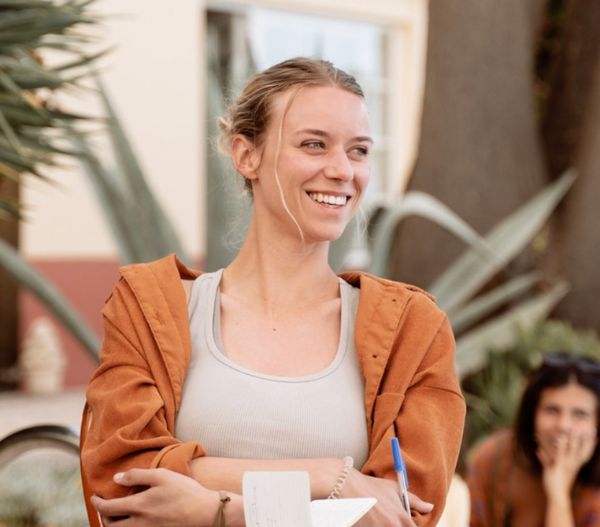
column 545, row 472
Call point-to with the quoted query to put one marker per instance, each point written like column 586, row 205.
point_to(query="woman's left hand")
column 170, row 500
column 388, row 511
column 561, row 467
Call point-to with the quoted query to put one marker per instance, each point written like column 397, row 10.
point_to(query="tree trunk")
column 480, row 152
column 9, row 232
column 566, row 110
column 575, row 248
column 571, row 134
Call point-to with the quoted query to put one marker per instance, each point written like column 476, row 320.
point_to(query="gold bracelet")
column 348, row 464
column 220, row 517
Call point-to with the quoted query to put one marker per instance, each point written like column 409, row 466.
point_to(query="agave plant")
column 26, row 276
column 456, row 290
column 139, row 224
column 33, row 128
column 30, row 122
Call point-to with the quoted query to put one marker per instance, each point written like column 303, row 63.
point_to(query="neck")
column 280, row 277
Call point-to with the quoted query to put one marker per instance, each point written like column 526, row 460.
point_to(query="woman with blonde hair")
column 275, row 362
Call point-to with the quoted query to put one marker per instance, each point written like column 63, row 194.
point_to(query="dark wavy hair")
column 557, row 369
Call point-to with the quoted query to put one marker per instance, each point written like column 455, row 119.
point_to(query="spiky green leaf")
column 471, row 271
column 29, row 278
column 473, row 348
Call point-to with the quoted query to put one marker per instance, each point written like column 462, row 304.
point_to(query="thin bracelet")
column 348, row 464
column 220, row 517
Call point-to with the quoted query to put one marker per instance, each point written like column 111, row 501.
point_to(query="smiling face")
column 564, row 413
column 318, row 169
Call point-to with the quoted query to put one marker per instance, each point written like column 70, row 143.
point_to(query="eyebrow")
column 323, row 133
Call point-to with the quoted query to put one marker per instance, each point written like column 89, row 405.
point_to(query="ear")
column 245, row 156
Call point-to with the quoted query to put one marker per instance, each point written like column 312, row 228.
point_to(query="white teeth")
column 329, row 200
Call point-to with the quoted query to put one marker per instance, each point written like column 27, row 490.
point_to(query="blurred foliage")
column 31, row 122
column 493, row 393
column 482, row 309
column 42, row 489
column 138, row 223
column 33, row 127
column 26, row 276
column 140, row 227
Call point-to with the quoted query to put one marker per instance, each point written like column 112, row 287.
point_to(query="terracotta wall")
column 84, row 283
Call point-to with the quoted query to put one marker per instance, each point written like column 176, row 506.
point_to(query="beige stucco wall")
column 153, row 77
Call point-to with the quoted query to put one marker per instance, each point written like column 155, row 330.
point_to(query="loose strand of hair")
column 277, row 154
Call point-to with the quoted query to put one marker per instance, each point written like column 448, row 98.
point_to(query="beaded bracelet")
column 348, row 464
column 220, row 517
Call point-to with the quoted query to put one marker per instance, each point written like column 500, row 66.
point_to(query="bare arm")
column 225, row 473
column 169, row 500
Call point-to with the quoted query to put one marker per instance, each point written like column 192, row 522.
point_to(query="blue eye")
column 360, row 151
column 313, row 144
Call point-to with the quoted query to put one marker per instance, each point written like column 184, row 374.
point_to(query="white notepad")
column 282, row 499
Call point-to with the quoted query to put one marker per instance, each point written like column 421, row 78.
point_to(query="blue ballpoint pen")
column 400, row 469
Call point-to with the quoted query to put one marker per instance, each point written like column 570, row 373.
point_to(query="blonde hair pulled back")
column 249, row 115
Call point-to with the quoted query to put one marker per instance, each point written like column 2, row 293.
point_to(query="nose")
column 339, row 166
column 564, row 422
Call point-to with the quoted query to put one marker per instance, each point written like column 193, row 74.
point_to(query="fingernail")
column 118, row 477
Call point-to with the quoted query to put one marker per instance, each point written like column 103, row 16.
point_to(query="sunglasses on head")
column 583, row 364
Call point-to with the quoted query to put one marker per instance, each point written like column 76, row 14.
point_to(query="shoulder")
column 144, row 282
column 487, row 475
column 168, row 267
column 400, row 307
column 371, row 282
column 378, row 292
column 488, row 449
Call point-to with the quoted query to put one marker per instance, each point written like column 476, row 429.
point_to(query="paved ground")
column 19, row 410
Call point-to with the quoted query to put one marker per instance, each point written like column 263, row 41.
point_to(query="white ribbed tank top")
column 238, row 413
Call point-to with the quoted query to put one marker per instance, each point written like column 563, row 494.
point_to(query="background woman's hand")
column 560, row 468
column 388, row 511
column 170, row 500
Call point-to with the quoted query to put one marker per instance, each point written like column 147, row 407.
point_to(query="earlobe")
column 244, row 156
